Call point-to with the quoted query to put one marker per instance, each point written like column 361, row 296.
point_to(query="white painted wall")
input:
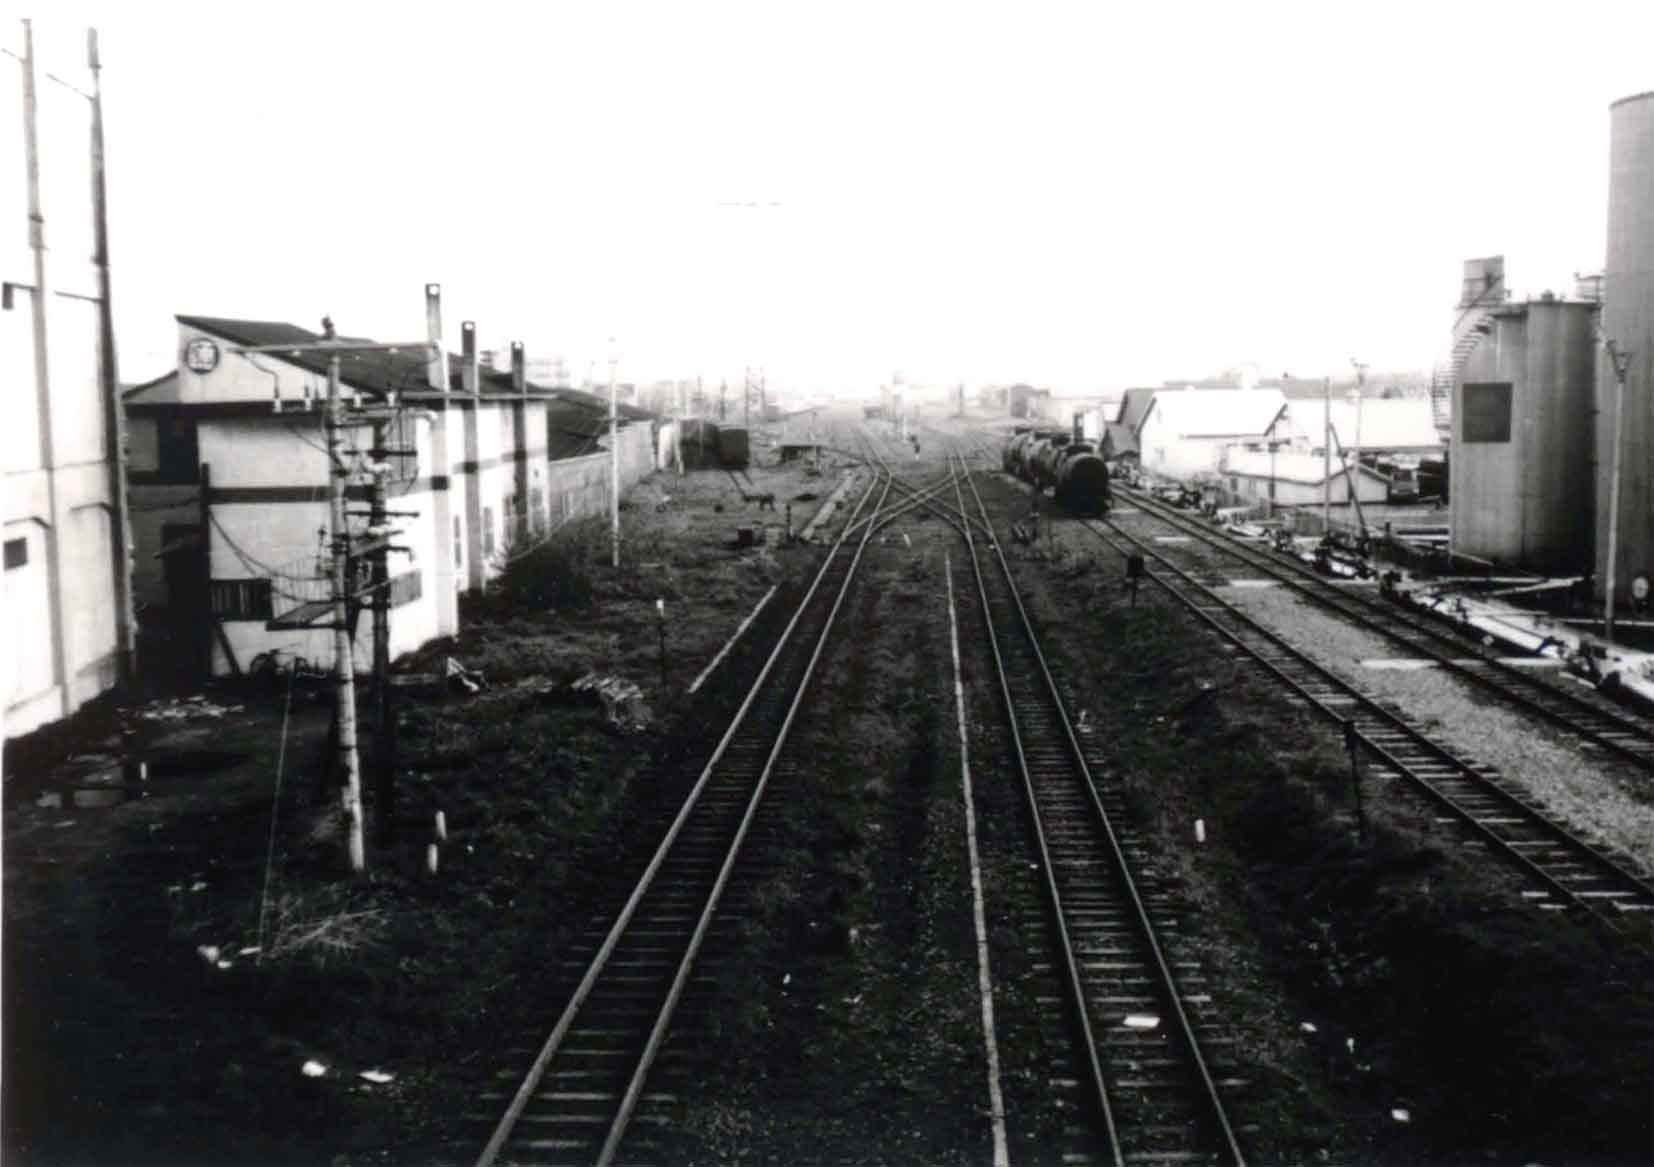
column 1167, row 452
column 60, row 641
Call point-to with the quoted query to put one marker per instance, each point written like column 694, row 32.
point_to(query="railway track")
column 579, row 1098
column 1566, row 871
column 1590, row 719
column 1139, row 1080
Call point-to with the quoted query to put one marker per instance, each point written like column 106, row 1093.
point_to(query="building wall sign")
column 1486, row 412
column 201, row 355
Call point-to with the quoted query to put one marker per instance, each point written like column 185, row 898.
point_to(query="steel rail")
column 657, row 1035
column 958, row 519
column 565, row 1021
column 1400, row 728
column 1167, row 984
column 904, row 507
column 1521, row 689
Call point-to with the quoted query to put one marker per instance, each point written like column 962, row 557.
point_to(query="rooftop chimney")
column 519, row 368
column 468, row 339
column 436, row 366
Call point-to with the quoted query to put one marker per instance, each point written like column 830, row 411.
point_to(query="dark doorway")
column 183, row 629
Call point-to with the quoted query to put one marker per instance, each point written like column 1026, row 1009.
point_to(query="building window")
column 487, row 531
column 17, row 553
column 1487, row 412
column 459, row 544
column 241, row 599
column 177, row 450
column 406, row 588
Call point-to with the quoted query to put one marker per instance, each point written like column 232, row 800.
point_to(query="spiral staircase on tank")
column 1472, row 324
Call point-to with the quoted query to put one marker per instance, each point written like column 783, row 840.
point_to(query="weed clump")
column 556, row 574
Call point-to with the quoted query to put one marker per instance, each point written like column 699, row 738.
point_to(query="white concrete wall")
column 255, row 537
column 60, row 647
column 262, row 538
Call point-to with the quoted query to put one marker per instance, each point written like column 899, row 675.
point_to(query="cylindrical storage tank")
column 1521, row 445
column 1628, row 321
column 1557, row 482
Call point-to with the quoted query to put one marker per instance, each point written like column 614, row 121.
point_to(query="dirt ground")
column 140, row 1025
column 1362, row 976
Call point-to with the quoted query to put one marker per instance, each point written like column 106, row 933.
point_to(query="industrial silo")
column 1628, row 323
column 1522, row 435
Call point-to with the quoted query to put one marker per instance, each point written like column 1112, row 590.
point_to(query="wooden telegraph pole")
column 344, row 663
column 335, row 612
column 614, row 456
column 384, row 737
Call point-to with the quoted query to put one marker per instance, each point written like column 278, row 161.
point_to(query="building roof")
column 1216, row 413
column 1396, row 423
column 1119, row 438
column 403, row 372
column 600, row 404
column 1287, row 466
column 1134, row 406
column 131, row 392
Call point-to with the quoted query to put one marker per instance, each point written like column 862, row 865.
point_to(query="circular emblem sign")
column 201, row 355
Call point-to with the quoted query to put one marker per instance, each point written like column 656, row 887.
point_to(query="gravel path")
column 1599, row 797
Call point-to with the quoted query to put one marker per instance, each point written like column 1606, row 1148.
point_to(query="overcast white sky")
column 1085, row 195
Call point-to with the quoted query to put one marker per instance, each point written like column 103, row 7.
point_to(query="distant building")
column 1395, row 425
column 229, row 480
column 1291, row 478
column 1184, row 432
column 1027, row 401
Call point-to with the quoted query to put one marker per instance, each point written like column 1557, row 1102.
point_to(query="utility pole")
column 614, row 457
column 384, row 737
column 746, row 400
column 344, row 663
column 1620, row 361
column 339, row 546
column 114, row 417
column 1352, row 474
column 1326, row 455
column 723, row 394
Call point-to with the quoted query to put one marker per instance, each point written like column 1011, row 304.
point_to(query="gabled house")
column 228, row 477
column 1184, row 432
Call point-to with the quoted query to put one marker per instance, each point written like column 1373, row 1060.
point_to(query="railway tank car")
column 1044, row 460
column 1082, row 480
column 1074, row 470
